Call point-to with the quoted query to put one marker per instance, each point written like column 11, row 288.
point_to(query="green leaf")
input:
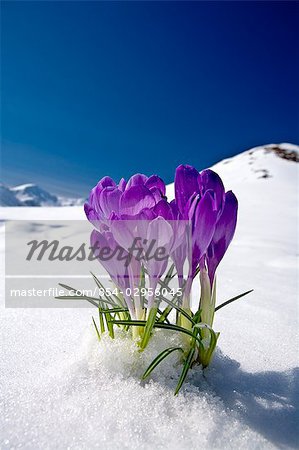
column 164, row 326
column 196, row 316
column 185, row 370
column 173, row 305
column 114, row 310
column 212, row 332
column 83, row 297
column 69, row 297
column 159, row 359
column 212, row 346
column 102, row 325
column 168, row 277
column 165, row 314
column 232, row 300
column 109, row 322
column 97, row 331
column 148, row 327
column 137, row 323
column 177, row 328
column 161, row 313
column 207, row 353
column 102, row 287
column 68, row 288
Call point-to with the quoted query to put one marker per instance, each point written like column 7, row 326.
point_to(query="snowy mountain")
column 64, row 389
column 32, row 195
column 260, row 163
column 257, row 165
column 7, row 197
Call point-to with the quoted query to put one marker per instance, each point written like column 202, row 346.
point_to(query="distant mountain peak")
column 7, row 197
column 31, row 194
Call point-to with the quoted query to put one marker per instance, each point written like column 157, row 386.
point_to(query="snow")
column 23, row 187
column 61, row 389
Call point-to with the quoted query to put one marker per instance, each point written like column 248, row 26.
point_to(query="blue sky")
column 112, row 88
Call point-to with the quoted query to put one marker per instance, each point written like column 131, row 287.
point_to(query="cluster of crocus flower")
column 199, row 198
column 194, row 230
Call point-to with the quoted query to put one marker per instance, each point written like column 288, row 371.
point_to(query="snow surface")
column 62, row 389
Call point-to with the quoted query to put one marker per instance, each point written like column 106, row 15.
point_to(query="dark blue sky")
column 97, row 88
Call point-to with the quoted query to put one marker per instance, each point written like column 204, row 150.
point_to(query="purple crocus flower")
column 137, row 208
column 223, row 235
column 199, row 207
column 201, row 198
column 125, row 200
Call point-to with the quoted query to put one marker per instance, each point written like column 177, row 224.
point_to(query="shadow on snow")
column 266, row 401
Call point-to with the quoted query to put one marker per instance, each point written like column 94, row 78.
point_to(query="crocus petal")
column 92, row 216
column 94, row 200
column 147, row 215
column 171, row 213
column 105, row 182
column 109, row 200
column 156, row 182
column 160, row 231
column 179, row 256
column 90, row 212
column 135, row 272
column 135, row 199
column 224, row 232
column 137, row 180
column 124, row 232
column 185, row 185
column 159, row 237
column 122, row 185
column 208, row 179
column 204, row 221
column 116, row 269
column 163, row 209
column 156, row 194
column 175, row 210
column 192, row 205
column 95, row 192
